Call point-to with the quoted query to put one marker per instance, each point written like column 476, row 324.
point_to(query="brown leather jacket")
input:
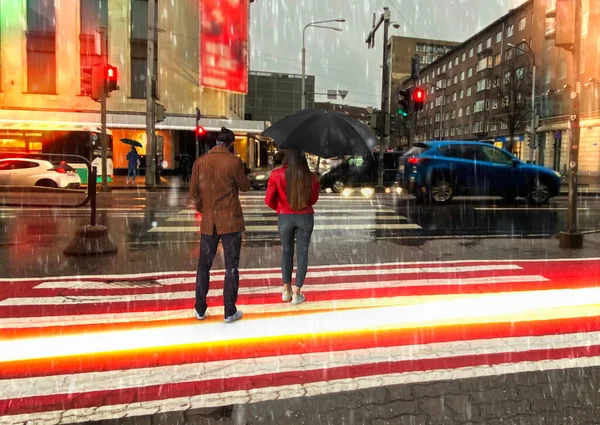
column 217, row 178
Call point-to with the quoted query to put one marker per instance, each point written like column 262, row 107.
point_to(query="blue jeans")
column 232, row 245
column 300, row 228
column 131, row 172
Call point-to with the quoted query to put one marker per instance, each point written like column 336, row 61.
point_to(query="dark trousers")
column 232, row 244
column 299, row 227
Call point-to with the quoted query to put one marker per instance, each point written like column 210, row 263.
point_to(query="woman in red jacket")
column 291, row 192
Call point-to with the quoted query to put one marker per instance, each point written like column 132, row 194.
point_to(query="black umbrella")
column 132, row 142
column 322, row 133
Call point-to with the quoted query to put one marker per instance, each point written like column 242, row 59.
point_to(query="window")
column 449, row 64
column 446, row 116
column 522, row 24
column 493, row 154
column 482, row 64
column 508, row 54
column 139, row 48
column 493, row 127
column 478, row 127
column 503, row 126
column 479, row 106
column 471, row 52
column 498, row 37
column 521, row 47
column 510, row 30
column 456, row 61
column 41, row 47
column 427, row 80
column 482, row 84
column 488, row 43
column 453, row 113
column 454, row 97
column 479, row 47
column 462, row 76
column 468, row 110
column 469, row 72
column 444, row 68
column 463, row 57
column 455, row 79
column 520, row 73
column 94, row 13
column 495, row 104
column 468, row 91
column 430, row 120
column 462, row 94
column 436, row 133
column 447, row 100
column 446, row 133
column 585, row 23
column 460, row 112
column 420, row 48
column 459, row 131
column 507, row 77
column 452, row 131
column 448, row 82
column 437, row 117
column 467, row 129
column 487, row 105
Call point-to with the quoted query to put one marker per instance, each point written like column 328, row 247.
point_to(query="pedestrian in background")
column 133, row 162
column 292, row 191
column 217, row 178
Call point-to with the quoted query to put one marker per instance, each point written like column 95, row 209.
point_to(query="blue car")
column 439, row 170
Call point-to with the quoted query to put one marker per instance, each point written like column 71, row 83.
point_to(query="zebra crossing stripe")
column 192, row 219
column 318, row 227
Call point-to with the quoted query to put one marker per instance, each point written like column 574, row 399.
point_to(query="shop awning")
column 80, row 121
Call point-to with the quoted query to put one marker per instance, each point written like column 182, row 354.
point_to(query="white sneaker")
column 286, row 296
column 198, row 315
column 237, row 316
column 298, row 298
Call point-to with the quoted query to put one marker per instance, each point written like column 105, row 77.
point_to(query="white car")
column 35, row 172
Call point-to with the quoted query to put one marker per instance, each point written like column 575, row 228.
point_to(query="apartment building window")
column 521, row 48
column 462, row 94
column 437, row 117
column 456, row 61
column 495, row 104
column 459, row 131
column 479, row 47
column 454, row 97
column 471, row 52
column 430, row 120
column 436, row 132
column 446, row 133
column 460, row 112
column 41, row 47
column 522, row 24
column 447, row 100
column 510, row 30
column 478, row 127
column 455, row 79
column 467, row 129
column 446, row 116
column 450, row 64
column 468, row 91
column 453, row 113
column 139, row 48
column 448, row 82
column 462, row 76
column 444, row 68
column 427, row 79
column 482, row 64
column 508, row 54
column 452, row 131
column 520, row 73
column 482, row 84
column 463, row 57
column 470, row 72
column 479, row 106
column 94, row 13
column 488, row 43
column 503, row 126
column 497, row 59
column 493, row 127
column 498, row 37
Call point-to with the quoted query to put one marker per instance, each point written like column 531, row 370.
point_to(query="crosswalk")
column 93, row 348
column 346, row 217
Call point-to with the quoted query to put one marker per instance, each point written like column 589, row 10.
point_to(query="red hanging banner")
column 224, row 45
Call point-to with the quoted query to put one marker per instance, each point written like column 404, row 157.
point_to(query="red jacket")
column 276, row 197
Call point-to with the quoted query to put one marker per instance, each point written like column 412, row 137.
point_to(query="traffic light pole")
column 151, row 151
column 103, row 134
column 385, row 82
column 573, row 239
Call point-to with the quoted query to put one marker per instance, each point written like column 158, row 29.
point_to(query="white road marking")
column 373, row 209
column 530, row 209
column 318, row 218
column 318, row 227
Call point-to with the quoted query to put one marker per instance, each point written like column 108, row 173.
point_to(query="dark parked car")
column 438, row 171
column 361, row 171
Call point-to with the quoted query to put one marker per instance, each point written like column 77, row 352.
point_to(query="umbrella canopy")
column 322, row 133
column 132, row 143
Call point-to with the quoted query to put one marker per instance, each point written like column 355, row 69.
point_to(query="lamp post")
column 529, row 51
column 316, row 24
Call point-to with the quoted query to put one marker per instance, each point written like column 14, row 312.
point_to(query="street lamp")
column 316, row 24
column 530, row 52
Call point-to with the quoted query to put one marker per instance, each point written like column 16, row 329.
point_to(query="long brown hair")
column 298, row 179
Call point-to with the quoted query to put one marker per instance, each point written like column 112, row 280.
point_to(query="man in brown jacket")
column 217, row 178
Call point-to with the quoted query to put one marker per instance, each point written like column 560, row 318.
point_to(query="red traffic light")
column 419, row 95
column 200, row 131
column 110, row 74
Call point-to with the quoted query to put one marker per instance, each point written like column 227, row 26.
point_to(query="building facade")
column 481, row 89
column 272, row 96
column 401, row 50
column 359, row 113
column 45, row 46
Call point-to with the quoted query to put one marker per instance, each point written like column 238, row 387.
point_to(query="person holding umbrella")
column 133, row 162
column 292, row 191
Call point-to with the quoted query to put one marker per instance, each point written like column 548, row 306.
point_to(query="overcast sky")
column 341, row 60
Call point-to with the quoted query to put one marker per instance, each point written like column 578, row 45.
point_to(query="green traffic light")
column 402, row 113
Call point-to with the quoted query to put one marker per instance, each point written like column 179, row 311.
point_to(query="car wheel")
column 538, row 193
column 338, row 186
column 441, row 190
column 47, row 183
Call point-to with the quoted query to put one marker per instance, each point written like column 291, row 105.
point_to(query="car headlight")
column 260, row 177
